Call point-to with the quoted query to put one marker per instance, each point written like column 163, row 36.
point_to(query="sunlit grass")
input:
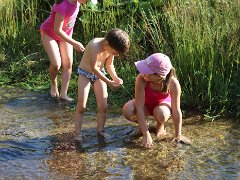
column 201, row 38
column 205, row 51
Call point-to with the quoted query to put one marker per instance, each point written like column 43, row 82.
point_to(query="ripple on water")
column 36, row 142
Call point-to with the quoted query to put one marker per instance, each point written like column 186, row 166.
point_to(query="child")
column 56, row 34
column 99, row 52
column 157, row 94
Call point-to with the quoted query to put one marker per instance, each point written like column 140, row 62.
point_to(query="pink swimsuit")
column 66, row 9
column 154, row 98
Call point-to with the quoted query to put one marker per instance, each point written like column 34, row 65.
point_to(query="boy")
column 99, row 52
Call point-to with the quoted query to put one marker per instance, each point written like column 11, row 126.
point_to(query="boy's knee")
column 103, row 109
column 81, row 110
column 55, row 67
column 67, row 66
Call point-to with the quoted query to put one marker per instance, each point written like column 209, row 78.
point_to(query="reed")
column 16, row 15
column 20, row 42
column 206, row 51
column 201, row 38
column 8, row 18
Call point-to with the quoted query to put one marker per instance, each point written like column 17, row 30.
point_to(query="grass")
column 201, row 38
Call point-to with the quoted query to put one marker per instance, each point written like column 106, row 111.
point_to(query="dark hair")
column 166, row 82
column 118, row 40
column 58, row 1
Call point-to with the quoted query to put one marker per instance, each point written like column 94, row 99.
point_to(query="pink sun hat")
column 156, row 63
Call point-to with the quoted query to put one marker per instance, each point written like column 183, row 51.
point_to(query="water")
column 36, row 142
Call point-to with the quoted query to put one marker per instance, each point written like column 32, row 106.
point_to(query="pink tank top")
column 66, row 9
column 154, row 98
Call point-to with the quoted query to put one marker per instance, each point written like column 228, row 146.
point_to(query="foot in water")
column 183, row 140
column 161, row 134
column 79, row 138
column 65, row 97
column 54, row 91
column 103, row 134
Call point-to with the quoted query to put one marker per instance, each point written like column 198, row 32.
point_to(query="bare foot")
column 182, row 140
column 161, row 133
column 65, row 97
column 79, row 138
column 54, row 91
column 103, row 134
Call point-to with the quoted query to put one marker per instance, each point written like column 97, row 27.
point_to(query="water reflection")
column 36, row 142
column 93, row 157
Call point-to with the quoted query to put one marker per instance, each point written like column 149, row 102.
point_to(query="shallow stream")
column 36, row 142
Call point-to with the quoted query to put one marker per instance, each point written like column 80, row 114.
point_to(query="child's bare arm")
column 139, row 104
column 175, row 91
column 111, row 70
column 58, row 24
column 94, row 64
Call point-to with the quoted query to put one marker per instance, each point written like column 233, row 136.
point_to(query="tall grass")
column 206, row 38
column 201, row 37
column 17, row 15
column 19, row 53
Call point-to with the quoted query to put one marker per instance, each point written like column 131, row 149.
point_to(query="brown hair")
column 118, row 40
column 166, row 82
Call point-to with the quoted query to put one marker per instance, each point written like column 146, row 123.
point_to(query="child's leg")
column 129, row 111
column 161, row 114
column 83, row 91
column 100, row 90
column 66, row 51
column 52, row 49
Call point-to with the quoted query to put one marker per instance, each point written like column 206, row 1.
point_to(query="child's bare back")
column 94, row 52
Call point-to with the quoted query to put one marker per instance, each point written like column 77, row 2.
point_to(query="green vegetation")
column 201, row 37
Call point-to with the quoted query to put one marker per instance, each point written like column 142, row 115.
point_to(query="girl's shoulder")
column 140, row 77
column 140, row 80
column 173, row 80
column 174, row 84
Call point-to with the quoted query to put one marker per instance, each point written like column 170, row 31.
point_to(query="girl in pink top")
column 56, row 35
column 157, row 93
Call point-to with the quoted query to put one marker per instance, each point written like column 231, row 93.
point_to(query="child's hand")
column 118, row 80
column 147, row 140
column 79, row 47
column 114, row 85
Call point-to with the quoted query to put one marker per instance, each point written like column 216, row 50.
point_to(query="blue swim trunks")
column 93, row 77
